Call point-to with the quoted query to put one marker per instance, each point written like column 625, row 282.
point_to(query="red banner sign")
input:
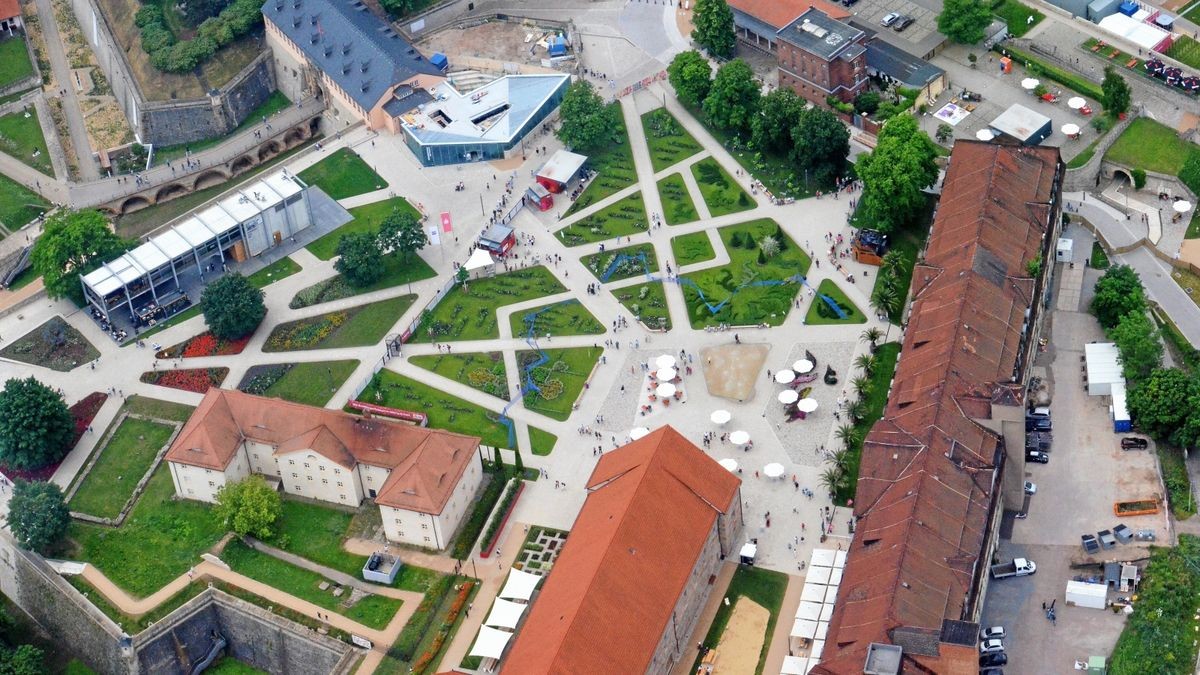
column 406, row 415
column 446, row 221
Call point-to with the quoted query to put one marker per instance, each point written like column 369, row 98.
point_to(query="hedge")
column 1068, row 80
column 510, row 495
column 469, row 534
column 422, row 619
column 171, row 55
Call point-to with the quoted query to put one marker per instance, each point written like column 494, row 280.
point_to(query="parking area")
column 920, row 38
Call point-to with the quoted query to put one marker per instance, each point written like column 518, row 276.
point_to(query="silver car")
column 889, row 19
column 991, row 646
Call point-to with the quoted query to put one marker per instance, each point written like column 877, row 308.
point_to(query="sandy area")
column 731, row 371
column 1189, row 251
column 742, row 641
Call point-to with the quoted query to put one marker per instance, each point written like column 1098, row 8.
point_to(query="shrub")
column 510, row 495
column 1139, row 178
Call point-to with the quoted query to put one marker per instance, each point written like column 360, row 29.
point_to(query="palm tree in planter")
column 866, row 363
column 885, row 300
column 858, row 409
column 833, row 478
column 847, row 434
column 890, row 263
column 861, row 385
column 841, row 460
column 871, row 336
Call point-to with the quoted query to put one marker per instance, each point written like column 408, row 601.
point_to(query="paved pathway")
column 56, row 52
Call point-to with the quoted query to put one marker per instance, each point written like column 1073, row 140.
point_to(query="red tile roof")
column 779, row 13
column 928, row 478
column 605, row 606
column 9, row 9
column 425, row 464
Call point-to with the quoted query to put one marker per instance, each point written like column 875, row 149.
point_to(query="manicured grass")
column 396, row 271
column 542, row 441
column 619, row 219
column 128, row 623
column 69, row 350
column 482, row 504
column 720, row 192
column 1152, row 146
column 1193, row 230
column 343, row 174
column 1099, row 257
column 666, row 139
column 777, row 173
column 484, row 371
column 372, row 611
column 316, row 532
column 14, row 60
column 468, row 311
column 559, row 380
column 1072, row 81
column 18, row 204
column 312, row 383
column 678, row 207
column 444, row 411
column 1083, row 157
column 1159, row 636
column 647, row 302
column 122, row 463
column 692, row 248
column 359, row 326
column 613, row 166
column 231, row 666
column 727, row 285
column 765, row 588
column 21, row 137
column 280, row 269
column 636, row 260
column 559, row 319
column 821, row 314
column 367, row 218
column 876, row 399
column 1186, row 50
column 1016, row 15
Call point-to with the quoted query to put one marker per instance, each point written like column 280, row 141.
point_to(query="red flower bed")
column 439, row 640
column 197, row 380
column 204, row 344
column 82, row 414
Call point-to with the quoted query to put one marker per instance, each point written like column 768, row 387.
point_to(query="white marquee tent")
column 797, row 665
column 520, row 585
column 505, row 614
column 804, row 628
column 809, row 610
column 491, row 643
column 1103, row 368
column 479, row 259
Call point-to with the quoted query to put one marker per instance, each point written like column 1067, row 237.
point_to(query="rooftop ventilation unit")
column 364, row 66
column 315, row 38
column 365, row 85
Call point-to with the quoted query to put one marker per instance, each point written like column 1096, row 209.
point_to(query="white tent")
column 817, row 648
column 818, row 575
column 821, row 557
column 804, row 628
column 826, row 610
column 812, row 592
column 822, row 629
column 794, row 665
column 1103, row 368
column 1138, row 32
column 520, row 585
column 491, row 643
column 835, row 576
column 479, row 259
column 839, row 559
column 809, row 610
column 505, row 614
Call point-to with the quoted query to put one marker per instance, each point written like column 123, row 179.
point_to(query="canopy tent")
column 729, row 464
column 807, row 405
column 520, row 585
column 809, row 610
column 803, row 366
column 1103, row 368
column 822, row 630
column 505, row 614
column 789, row 396
column 1076, row 102
column 638, row 432
column 827, row 608
column 773, row 470
column 1182, row 206
column 812, row 592
column 491, row 643
column 835, row 576
column 666, row 374
column 785, row 377
column 739, row 437
column 1030, row 83
column 818, row 575
column 479, row 259
column 1133, row 30
column 665, row 390
column 804, row 628
column 720, row 416
column 985, row 135
column 839, row 559
column 665, row 361
column 795, row 665
column 821, row 557
column 814, row 653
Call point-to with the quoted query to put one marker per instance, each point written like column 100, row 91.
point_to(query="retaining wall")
column 1087, row 177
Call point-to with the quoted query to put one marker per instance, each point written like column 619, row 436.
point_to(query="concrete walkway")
column 56, row 52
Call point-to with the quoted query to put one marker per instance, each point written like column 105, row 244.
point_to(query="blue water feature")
column 527, row 383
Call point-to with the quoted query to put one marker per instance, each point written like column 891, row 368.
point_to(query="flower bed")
column 261, row 378
column 204, row 344
column 305, row 333
column 507, row 504
column 198, row 380
column 439, row 640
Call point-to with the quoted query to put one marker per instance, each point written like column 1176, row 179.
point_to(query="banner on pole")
column 446, row 221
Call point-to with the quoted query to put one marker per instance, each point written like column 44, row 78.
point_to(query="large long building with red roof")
column 629, row 584
column 950, row 445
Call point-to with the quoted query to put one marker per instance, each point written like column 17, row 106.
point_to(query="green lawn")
column 343, row 174
column 1152, row 146
column 396, row 271
column 1084, row 157
column 367, row 218
column 720, row 192
column 280, row 269
column 563, row 318
column 444, row 411
column 560, row 379
column 316, row 532
column 692, row 248
column 21, row 137
column 613, row 166
column 14, row 60
column 743, row 304
column 122, row 463
column 639, row 260
column 1099, row 258
column 359, row 326
column 1162, row 628
column 468, row 311
column 876, row 399
column 18, row 204
column 678, row 207
column 484, row 371
column 777, row 173
column 821, row 314
column 312, row 383
column 647, row 302
column 620, row 219
column 231, row 666
column 1016, row 15
column 275, row 102
column 1186, row 50
column 372, row 611
column 764, row 587
column 542, row 441
column 666, row 139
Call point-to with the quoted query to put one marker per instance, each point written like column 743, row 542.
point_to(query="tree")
column 691, row 76
column 866, row 363
column 397, row 8
column 769, row 246
column 895, row 173
column 35, row 426
column 1158, row 403
column 38, row 514
column 1116, row 92
column 964, row 21
column 1118, row 293
column 587, row 123
column 820, row 143
column 73, row 243
column 871, row 337
column 199, row 10
column 22, row 660
column 1139, row 178
column 713, row 21
column 1190, row 173
column 778, row 112
column 359, row 259
column 867, row 102
column 733, row 99
column 232, row 307
column 944, row 132
column 249, row 507
column 1139, row 345
column 401, row 232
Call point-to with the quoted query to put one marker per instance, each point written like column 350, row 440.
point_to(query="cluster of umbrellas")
column 666, row 375
column 772, row 470
column 1174, row 76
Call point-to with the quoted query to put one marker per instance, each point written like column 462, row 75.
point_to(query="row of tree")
column 361, row 254
column 170, row 54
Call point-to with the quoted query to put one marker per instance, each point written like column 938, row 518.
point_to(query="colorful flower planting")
column 197, row 380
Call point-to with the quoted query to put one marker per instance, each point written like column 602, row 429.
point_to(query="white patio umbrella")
column 1182, row 206
column 807, row 405
column 773, row 470
column 785, row 376
column 1029, row 83
column 1070, row 129
column 638, row 432
column 789, row 396
column 720, row 416
column 729, row 464
column 1076, row 102
column 739, row 437
column 985, row 134
column 665, row 361
column 803, row 366
column 666, row 374
column 665, row 390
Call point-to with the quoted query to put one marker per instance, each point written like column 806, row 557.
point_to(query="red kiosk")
column 498, row 239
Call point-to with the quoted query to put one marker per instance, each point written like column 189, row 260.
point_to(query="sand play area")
column 731, row 371
column 742, row 641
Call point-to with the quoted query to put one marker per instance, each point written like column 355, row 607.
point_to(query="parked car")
column 1038, row 440
column 1123, row 534
column 992, row 660
column 1037, row 424
column 970, row 96
column 1030, row 488
column 1040, row 411
column 1017, row 567
column 1134, row 443
column 1107, row 540
column 992, row 633
column 902, row 23
column 1037, row 456
column 847, row 3
column 1090, row 545
column 889, row 19
column 991, row 646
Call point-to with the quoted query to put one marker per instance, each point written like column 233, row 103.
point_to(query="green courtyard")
column 622, row 218
column 821, row 313
column 613, row 166
column 444, row 410
column 359, row 326
column 343, row 174
column 636, row 260
column 563, row 318
column 396, row 271
column 1152, row 146
column 468, row 311
column 667, row 140
column 121, row 464
column 721, row 193
column 689, row 249
column 484, row 371
column 21, row 136
column 559, row 380
column 678, row 207
column 312, row 383
column 18, row 204
column 647, row 302
column 14, row 60
column 367, row 218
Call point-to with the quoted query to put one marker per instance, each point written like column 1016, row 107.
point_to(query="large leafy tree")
column 38, row 514
column 35, row 425
column 713, row 21
column 402, row 233
column 587, row 123
column 895, row 173
column 820, row 143
column 964, row 21
column 232, row 306
column 359, row 259
column 1118, row 293
column 22, row 660
column 1116, row 92
column 73, row 243
column 733, row 100
column 1139, row 344
column 1158, row 403
column 249, row 507
column 691, row 76
column 778, row 113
